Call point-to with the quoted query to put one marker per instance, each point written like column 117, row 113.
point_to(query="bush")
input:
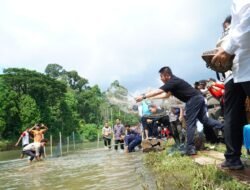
column 89, row 131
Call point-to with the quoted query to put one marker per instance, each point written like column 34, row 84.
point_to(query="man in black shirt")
column 195, row 104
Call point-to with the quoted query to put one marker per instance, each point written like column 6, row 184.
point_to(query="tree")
column 54, row 70
column 76, row 82
column 9, row 118
column 28, row 111
column 89, row 102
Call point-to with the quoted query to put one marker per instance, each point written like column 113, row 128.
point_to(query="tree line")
column 61, row 99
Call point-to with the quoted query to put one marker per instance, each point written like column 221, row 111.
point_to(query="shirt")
column 119, row 130
column 180, row 89
column 33, row 147
column 238, row 41
column 25, row 138
column 106, row 132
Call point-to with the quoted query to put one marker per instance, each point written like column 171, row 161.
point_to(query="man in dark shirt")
column 195, row 104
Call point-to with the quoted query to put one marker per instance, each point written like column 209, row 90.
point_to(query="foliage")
column 61, row 99
column 89, row 131
column 28, row 111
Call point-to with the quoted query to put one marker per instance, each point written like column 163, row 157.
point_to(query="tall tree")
column 54, row 70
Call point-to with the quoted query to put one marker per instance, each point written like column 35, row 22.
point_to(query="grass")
column 173, row 171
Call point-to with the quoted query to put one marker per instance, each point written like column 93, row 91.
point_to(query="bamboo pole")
column 67, row 144
column 51, row 150
column 74, row 140
column 60, row 136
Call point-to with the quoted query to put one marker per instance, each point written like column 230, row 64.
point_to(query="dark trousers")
column 121, row 144
column 235, row 117
column 132, row 141
column 41, row 151
column 151, row 127
column 30, row 153
column 107, row 142
column 174, row 131
column 196, row 109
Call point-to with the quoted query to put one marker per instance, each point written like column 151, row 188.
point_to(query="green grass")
column 181, row 172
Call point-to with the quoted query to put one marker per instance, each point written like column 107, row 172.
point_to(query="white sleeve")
column 239, row 34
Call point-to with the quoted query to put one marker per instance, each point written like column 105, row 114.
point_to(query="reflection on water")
column 92, row 169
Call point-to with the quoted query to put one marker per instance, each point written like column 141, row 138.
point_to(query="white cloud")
column 109, row 40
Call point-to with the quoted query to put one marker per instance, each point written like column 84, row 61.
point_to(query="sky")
column 107, row 40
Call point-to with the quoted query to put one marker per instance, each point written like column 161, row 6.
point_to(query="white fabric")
column 33, row 147
column 238, row 42
column 106, row 131
column 25, row 138
column 199, row 126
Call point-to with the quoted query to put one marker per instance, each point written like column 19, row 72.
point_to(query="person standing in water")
column 38, row 132
column 25, row 140
column 106, row 134
column 119, row 132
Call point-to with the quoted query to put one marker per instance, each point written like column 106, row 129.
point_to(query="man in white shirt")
column 33, row 149
column 238, row 88
column 25, row 139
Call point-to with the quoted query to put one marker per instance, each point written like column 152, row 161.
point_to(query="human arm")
column 181, row 116
column 239, row 33
column 18, row 140
column 163, row 95
column 30, row 130
column 149, row 95
column 45, row 128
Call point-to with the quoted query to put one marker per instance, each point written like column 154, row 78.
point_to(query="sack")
column 221, row 68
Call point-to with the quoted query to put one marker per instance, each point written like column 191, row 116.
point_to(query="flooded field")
column 86, row 169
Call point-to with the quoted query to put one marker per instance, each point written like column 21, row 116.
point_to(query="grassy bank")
column 180, row 172
column 6, row 145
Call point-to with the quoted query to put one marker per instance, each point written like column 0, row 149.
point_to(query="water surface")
column 86, row 169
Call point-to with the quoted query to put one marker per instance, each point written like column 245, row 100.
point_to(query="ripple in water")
column 92, row 170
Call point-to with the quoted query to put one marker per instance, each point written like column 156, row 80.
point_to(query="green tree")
column 89, row 102
column 54, row 70
column 28, row 111
column 89, row 131
column 9, row 118
column 76, row 82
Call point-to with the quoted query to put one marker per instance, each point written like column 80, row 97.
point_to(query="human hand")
column 139, row 98
column 221, row 57
column 149, row 120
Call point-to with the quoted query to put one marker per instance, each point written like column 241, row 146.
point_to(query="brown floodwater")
column 86, row 169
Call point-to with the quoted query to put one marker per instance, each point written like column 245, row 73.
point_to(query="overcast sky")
column 107, row 40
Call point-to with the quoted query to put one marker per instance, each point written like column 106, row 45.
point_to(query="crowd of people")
column 127, row 136
column 236, row 88
column 231, row 95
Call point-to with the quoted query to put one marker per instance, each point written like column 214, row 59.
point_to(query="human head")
column 197, row 85
column 127, row 127
column 227, row 22
column 37, row 127
column 153, row 108
column 203, row 84
column 165, row 74
column 106, row 124
column 117, row 121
